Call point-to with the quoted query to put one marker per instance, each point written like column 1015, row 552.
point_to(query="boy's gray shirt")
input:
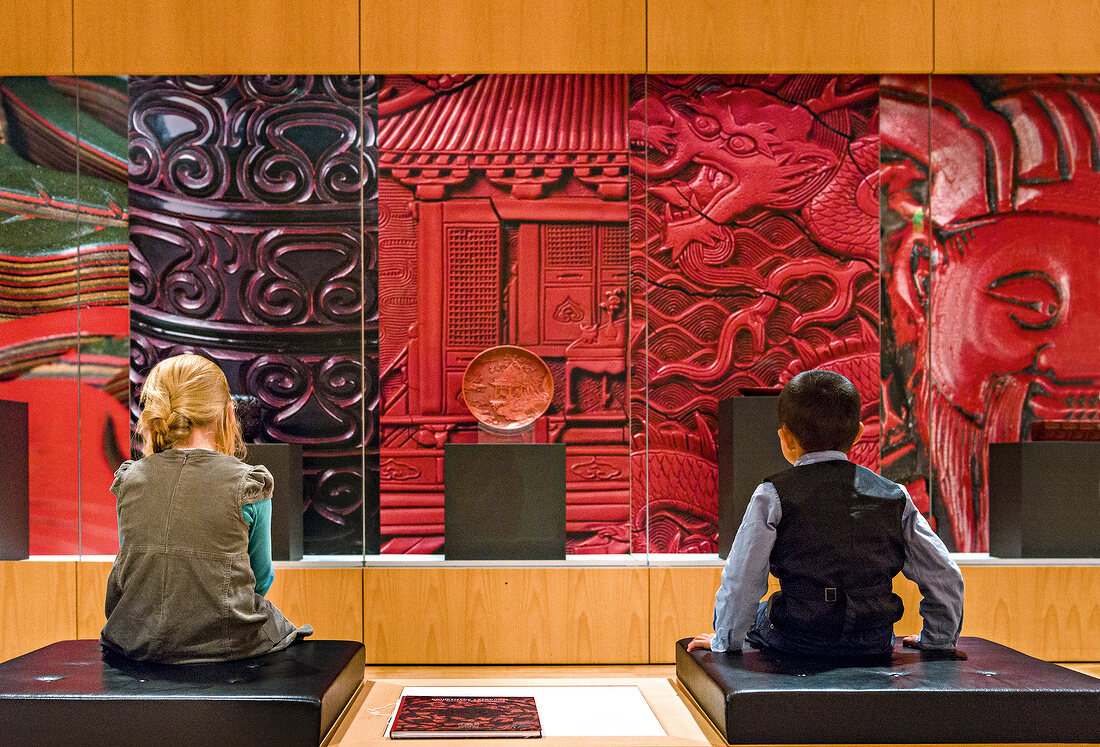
column 745, row 575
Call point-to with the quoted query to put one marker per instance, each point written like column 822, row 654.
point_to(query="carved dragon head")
column 726, row 155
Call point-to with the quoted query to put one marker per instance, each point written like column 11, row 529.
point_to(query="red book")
column 465, row 716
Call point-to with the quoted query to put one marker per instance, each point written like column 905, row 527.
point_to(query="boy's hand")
column 701, row 641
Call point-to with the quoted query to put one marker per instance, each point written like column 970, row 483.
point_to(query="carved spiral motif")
column 245, row 231
column 285, row 290
column 143, row 281
column 278, row 381
column 204, row 85
column 276, row 88
column 339, row 492
column 174, row 144
column 341, row 380
column 347, row 89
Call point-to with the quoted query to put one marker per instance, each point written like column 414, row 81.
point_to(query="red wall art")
column 990, row 255
column 503, row 220
column 64, row 326
column 754, row 256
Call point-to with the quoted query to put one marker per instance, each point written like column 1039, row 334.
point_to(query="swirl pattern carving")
column 246, row 247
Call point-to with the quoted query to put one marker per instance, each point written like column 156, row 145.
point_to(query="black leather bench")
column 73, row 693
column 996, row 695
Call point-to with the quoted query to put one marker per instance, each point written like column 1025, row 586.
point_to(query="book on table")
column 465, row 716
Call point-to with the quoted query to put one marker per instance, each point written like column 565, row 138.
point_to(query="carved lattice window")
column 614, row 247
column 569, row 246
column 473, row 298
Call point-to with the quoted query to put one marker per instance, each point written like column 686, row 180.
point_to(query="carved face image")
column 1014, row 317
column 1024, row 291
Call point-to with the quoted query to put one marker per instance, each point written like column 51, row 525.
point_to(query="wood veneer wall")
column 586, row 615
column 89, row 37
column 329, row 599
column 1050, row 612
column 575, row 615
column 37, row 605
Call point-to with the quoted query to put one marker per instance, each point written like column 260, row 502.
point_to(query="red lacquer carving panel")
column 754, row 256
column 503, row 220
column 990, row 275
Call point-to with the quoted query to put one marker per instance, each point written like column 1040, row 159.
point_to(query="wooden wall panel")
column 682, row 605
column 37, row 37
column 548, row 615
column 764, row 36
column 506, row 615
column 37, row 605
column 329, row 599
column 1010, row 36
column 233, row 36
column 91, row 592
column 513, row 36
column 1050, row 612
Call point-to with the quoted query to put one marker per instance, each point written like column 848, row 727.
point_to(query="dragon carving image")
column 754, row 256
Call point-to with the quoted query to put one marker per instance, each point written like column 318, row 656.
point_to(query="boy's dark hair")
column 821, row 409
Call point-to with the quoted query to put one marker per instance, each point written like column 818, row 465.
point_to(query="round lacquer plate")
column 507, row 387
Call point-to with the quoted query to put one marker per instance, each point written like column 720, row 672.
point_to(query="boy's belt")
column 810, row 590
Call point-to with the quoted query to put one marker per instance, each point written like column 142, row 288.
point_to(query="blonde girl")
column 194, row 529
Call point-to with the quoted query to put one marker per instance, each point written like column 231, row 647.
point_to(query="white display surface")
column 572, row 711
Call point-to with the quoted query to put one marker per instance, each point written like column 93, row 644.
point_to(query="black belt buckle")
column 830, row 593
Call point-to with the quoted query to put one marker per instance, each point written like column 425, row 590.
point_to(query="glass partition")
column 1014, row 300
column 345, row 246
column 503, row 222
column 249, row 201
column 63, row 328
column 760, row 229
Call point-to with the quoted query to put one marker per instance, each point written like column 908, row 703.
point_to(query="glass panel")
column 43, row 217
column 503, row 221
column 246, row 196
column 641, row 233
column 761, row 220
column 1014, row 302
column 370, row 401
column 905, row 269
column 102, row 364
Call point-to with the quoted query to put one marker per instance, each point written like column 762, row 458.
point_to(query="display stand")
column 1044, row 499
column 748, row 451
column 284, row 461
column 14, row 481
column 504, row 498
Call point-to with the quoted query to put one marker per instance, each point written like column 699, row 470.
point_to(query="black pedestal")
column 748, row 451
column 284, row 461
column 72, row 693
column 15, row 531
column 1044, row 500
column 504, row 501
column 998, row 695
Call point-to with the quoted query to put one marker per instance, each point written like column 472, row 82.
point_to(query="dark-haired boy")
column 834, row 534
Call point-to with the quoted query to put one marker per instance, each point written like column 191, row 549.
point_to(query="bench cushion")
column 73, row 693
column 997, row 695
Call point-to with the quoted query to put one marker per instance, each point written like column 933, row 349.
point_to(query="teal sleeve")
column 258, row 518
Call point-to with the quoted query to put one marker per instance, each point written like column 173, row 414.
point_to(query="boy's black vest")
column 838, row 546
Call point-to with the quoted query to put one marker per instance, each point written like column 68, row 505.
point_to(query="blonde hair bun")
column 183, row 393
